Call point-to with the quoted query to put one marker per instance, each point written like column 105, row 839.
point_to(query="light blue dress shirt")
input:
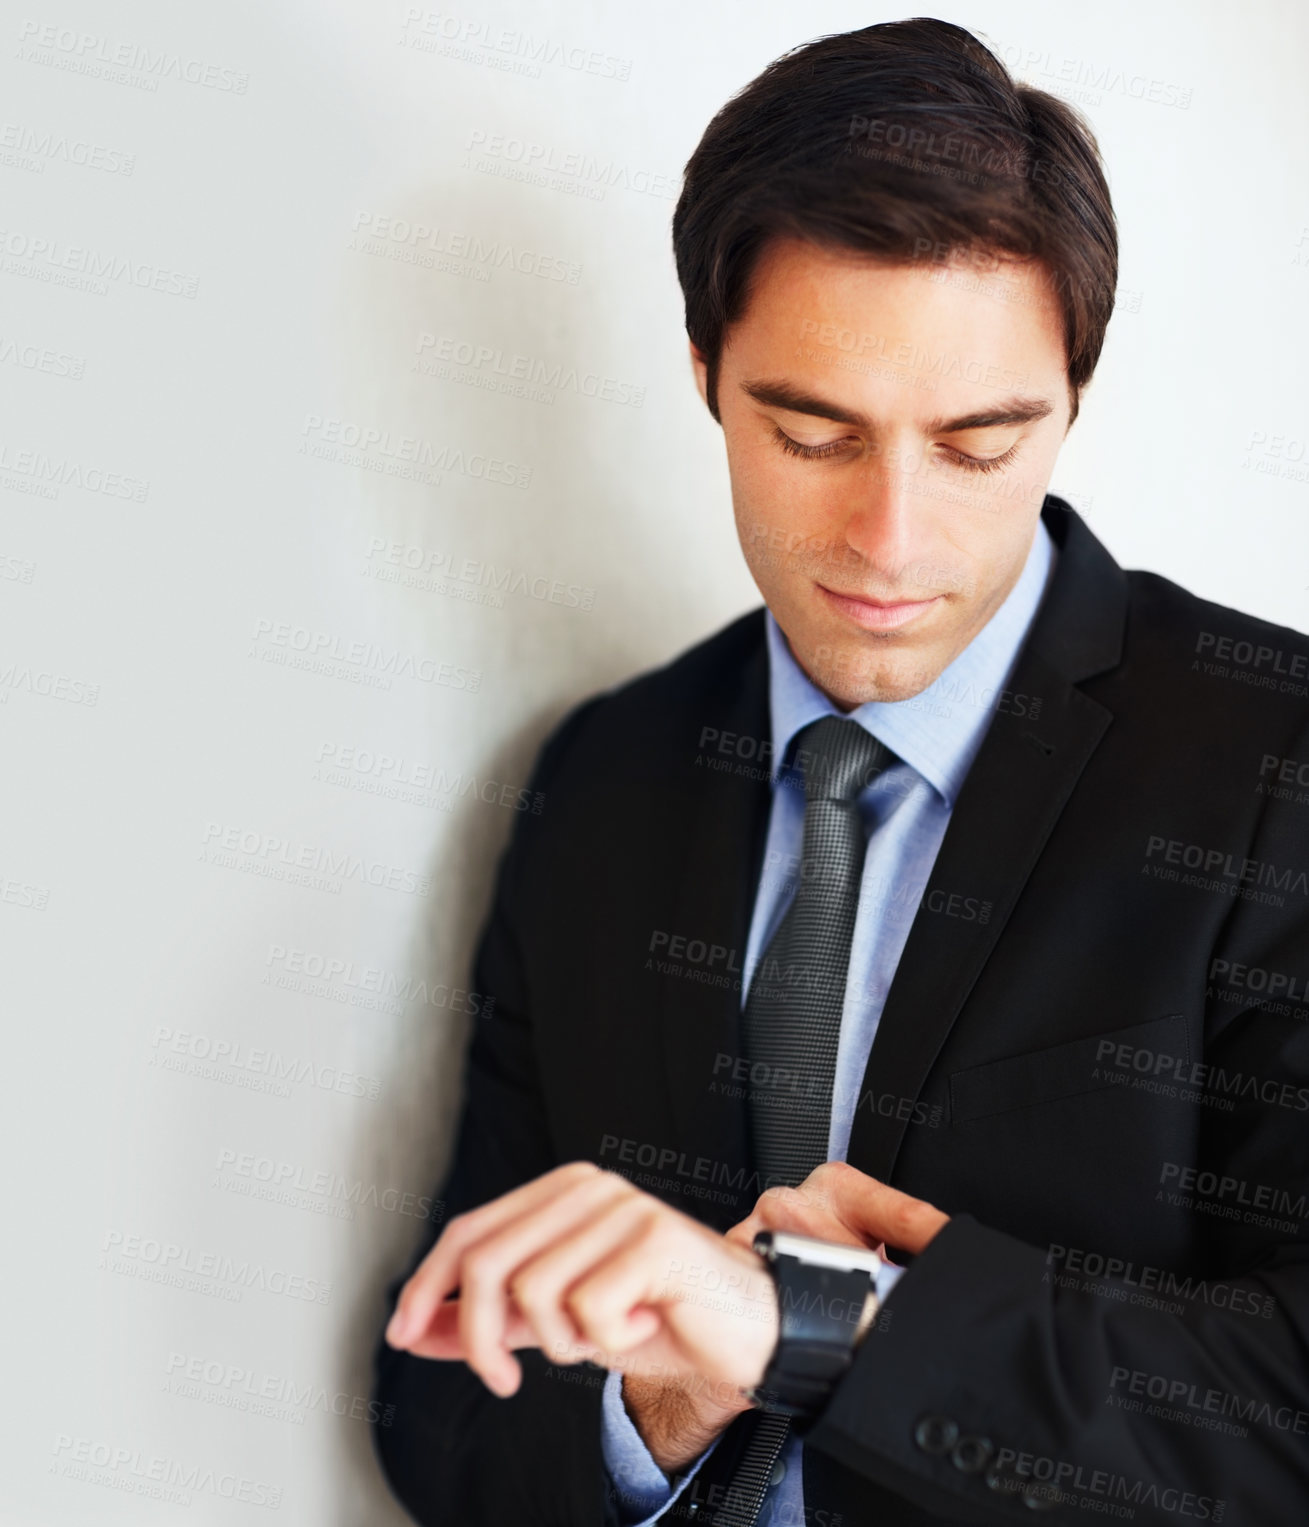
column 935, row 735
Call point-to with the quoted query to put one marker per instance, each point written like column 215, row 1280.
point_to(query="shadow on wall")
column 486, row 546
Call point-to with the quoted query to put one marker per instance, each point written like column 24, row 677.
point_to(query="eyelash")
column 818, row 452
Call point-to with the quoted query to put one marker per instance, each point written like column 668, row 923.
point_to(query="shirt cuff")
column 885, row 1279
column 641, row 1488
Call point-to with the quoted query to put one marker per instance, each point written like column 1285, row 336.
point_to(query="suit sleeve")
column 994, row 1389
column 454, row 1454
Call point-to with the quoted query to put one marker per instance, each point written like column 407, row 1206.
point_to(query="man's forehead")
column 828, row 279
column 866, row 334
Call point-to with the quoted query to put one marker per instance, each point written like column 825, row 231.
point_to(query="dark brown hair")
column 908, row 142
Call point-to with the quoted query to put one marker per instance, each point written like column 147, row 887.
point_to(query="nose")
column 884, row 515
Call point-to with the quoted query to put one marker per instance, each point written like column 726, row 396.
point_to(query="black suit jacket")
column 1094, row 1056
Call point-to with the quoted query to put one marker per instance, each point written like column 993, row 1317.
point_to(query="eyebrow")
column 784, row 394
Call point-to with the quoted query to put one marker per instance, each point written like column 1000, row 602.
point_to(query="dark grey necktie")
column 792, row 1020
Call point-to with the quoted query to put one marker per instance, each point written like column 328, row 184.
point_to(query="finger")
column 443, row 1340
column 539, row 1286
column 616, row 1303
column 486, row 1270
column 878, row 1213
column 802, row 1213
column 721, row 1330
column 743, row 1233
column 438, row 1274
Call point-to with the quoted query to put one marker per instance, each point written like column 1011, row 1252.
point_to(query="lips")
column 876, row 614
column 881, row 604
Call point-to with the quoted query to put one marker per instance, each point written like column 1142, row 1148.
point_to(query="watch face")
column 818, row 1253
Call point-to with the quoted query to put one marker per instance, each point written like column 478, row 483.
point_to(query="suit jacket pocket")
column 1045, row 1076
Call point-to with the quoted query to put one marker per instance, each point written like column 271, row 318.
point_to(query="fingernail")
column 395, row 1328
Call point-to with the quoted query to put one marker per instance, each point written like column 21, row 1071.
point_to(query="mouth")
column 877, row 614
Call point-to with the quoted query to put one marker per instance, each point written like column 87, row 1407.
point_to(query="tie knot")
column 838, row 758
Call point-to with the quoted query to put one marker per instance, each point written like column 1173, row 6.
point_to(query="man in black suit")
column 1062, row 1085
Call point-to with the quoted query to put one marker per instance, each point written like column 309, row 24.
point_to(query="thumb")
column 882, row 1214
column 742, row 1234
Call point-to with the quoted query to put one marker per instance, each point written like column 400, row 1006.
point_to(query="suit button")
column 1039, row 1498
column 997, row 1477
column 936, row 1434
column 778, row 1474
column 971, row 1454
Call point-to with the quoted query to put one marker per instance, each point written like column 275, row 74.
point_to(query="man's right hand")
column 678, row 1417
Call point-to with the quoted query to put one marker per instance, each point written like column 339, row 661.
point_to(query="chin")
column 902, row 691
column 853, row 673
column 850, row 674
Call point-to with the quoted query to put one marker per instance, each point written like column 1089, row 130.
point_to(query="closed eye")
column 983, row 463
column 808, row 452
column 835, row 447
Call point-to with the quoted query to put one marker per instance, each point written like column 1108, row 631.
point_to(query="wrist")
column 678, row 1418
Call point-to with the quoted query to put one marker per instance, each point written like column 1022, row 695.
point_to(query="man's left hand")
column 836, row 1202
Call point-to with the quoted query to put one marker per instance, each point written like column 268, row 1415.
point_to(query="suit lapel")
column 1015, row 790
column 1019, row 783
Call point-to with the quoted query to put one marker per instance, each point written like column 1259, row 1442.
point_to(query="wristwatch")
column 826, row 1300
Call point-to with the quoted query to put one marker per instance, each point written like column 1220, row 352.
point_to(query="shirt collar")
column 939, row 731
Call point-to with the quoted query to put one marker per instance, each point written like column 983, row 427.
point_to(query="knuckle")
column 902, row 1220
column 590, row 1298
column 532, row 1294
column 616, row 1180
column 460, row 1229
column 582, row 1304
column 649, row 1230
column 595, row 1323
column 479, row 1268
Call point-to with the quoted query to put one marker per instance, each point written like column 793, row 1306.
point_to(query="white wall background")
column 285, row 317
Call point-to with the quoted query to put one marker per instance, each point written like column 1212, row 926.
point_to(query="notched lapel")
column 1019, row 783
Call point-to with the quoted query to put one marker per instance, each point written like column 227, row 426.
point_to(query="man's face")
column 938, row 399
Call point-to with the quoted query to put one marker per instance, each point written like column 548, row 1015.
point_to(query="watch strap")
column 819, row 1310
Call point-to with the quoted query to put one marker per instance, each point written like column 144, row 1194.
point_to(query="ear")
column 700, row 365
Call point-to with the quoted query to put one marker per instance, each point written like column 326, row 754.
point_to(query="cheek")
column 783, row 545
column 995, row 559
column 768, row 499
column 757, row 475
column 796, row 502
